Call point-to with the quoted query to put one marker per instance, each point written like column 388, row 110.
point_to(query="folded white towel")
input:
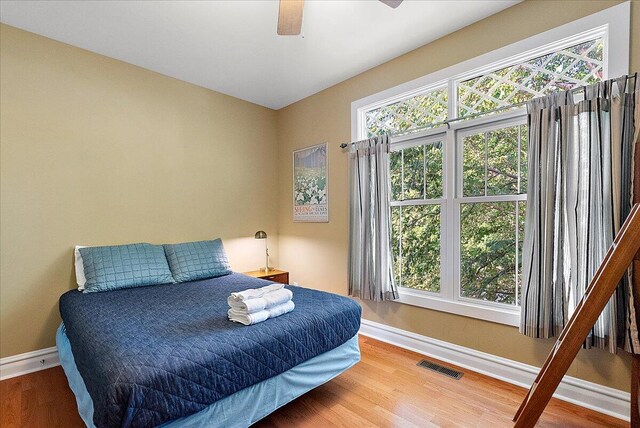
column 268, row 300
column 254, row 293
column 249, row 319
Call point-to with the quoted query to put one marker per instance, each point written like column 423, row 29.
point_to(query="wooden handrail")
column 600, row 289
column 635, row 292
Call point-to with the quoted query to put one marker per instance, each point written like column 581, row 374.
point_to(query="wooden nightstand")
column 272, row 275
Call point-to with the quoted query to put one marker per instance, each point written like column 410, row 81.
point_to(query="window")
column 408, row 114
column 577, row 65
column 458, row 191
column 487, row 203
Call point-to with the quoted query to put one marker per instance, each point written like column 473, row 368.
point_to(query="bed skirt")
column 242, row 408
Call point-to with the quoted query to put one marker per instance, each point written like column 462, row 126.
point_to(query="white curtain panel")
column 370, row 255
column 580, row 190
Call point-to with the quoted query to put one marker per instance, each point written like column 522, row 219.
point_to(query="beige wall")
column 96, row 151
column 316, row 254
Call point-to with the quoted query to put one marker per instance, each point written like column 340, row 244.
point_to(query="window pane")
column 414, row 112
column 395, row 242
column 565, row 69
column 473, row 165
column 522, row 211
column 420, row 247
column 524, row 145
column 416, row 170
column 492, row 162
column 413, row 180
column 488, row 251
column 502, row 161
column 395, row 174
column 433, row 168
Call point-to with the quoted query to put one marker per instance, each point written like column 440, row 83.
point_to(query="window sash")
column 494, row 125
column 419, row 140
column 414, row 142
column 459, row 199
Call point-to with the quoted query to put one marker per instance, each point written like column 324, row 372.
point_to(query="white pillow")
column 80, row 278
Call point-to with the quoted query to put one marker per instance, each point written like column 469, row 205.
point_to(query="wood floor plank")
column 386, row 389
column 11, row 403
column 30, row 407
column 406, row 410
column 378, row 415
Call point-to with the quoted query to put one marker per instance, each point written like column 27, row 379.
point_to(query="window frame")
column 612, row 24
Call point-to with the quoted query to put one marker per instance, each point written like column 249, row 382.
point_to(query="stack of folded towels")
column 259, row 304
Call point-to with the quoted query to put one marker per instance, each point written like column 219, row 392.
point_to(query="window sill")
column 468, row 309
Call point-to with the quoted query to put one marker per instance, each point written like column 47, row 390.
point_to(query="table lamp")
column 261, row 234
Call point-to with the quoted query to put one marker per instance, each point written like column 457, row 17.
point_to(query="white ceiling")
column 232, row 46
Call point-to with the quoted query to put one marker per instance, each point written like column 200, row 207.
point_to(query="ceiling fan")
column 290, row 15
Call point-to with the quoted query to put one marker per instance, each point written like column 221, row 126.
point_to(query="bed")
column 166, row 355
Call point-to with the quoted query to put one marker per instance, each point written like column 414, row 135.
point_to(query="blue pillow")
column 191, row 261
column 124, row 266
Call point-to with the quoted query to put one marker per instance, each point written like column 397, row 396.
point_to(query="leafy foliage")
column 416, row 243
column 488, row 250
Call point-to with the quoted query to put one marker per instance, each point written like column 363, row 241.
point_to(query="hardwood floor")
column 385, row 389
column 40, row 399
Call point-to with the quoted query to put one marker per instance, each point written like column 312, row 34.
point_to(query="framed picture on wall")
column 310, row 184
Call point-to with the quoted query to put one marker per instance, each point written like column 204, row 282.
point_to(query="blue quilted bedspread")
column 152, row 354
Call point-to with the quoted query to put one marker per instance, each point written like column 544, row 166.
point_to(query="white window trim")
column 613, row 23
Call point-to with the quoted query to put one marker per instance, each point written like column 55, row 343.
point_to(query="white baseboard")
column 591, row 395
column 28, row 362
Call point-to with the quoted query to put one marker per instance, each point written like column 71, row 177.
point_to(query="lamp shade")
column 261, row 234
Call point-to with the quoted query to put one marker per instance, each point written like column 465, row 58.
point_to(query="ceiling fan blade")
column 392, row 3
column 290, row 17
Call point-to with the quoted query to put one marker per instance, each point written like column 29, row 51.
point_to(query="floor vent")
column 440, row 369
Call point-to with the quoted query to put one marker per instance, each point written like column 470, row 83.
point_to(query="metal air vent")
column 440, row 369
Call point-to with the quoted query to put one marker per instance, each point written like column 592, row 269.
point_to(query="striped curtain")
column 579, row 193
column 370, row 254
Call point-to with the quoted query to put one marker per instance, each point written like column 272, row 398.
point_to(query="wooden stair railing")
column 598, row 293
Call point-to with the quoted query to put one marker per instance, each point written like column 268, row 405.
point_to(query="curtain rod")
column 471, row 116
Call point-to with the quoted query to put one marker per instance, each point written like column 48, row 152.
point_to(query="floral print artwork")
column 310, row 184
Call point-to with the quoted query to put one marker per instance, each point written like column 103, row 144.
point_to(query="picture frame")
column 311, row 184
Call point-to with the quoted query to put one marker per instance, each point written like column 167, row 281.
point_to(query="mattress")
column 154, row 354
